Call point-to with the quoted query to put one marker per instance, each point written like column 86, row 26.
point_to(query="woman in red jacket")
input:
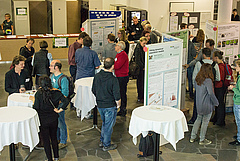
column 220, row 89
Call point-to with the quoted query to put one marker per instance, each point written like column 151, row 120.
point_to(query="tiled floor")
column 84, row 147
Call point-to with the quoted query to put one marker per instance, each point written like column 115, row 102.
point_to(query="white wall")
column 22, row 24
column 158, row 10
column 59, row 15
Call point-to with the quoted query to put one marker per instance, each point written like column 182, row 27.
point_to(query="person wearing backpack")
column 215, row 69
column 220, row 90
column 55, row 69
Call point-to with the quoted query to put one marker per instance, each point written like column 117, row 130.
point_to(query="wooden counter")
column 10, row 46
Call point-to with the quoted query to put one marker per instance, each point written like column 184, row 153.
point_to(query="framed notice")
column 21, row 11
column 60, row 42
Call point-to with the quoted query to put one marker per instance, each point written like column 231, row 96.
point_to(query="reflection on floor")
column 84, row 147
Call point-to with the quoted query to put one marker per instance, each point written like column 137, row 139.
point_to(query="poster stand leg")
column 94, row 122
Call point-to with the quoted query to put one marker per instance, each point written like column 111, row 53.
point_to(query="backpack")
column 71, row 86
column 133, row 67
column 146, row 145
column 228, row 75
column 213, row 69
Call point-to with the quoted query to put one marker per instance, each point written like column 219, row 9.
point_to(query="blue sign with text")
column 104, row 14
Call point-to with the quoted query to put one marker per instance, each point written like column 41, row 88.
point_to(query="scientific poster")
column 173, row 23
column 60, row 42
column 100, row 31
column 163, row 73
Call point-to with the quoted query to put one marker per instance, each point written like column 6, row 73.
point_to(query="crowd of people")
column 207, row 74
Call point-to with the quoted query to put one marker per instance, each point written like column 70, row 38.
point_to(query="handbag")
column 133, row 67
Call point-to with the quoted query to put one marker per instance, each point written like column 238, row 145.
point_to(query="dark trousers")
column 140, row 84
column 190, row 82
column 73, row 71
column 219, row 117
column 49, row 132
column 194, row 116
column 123, row 81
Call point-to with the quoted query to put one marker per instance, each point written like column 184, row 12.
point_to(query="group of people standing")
column 50, row 100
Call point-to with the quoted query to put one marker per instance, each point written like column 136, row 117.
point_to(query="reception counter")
column 10, row 45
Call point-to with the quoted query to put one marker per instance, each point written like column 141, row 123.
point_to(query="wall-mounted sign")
column 104, row 14
column 60, row 42
column 21, row 11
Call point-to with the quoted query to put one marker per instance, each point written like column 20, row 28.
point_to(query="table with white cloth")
column 84, row 100
column 20, row 99
column 18, row 124
column 169, row 122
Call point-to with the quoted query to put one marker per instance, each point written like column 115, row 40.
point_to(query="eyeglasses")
column 119, row 33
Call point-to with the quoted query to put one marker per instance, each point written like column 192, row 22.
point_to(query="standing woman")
column 27, row 51
column 140, row 61
column 236, row 105
column 47, row 99
column 199, row 40
column 220, row 89
column 7, row 25
column 123, row 37
column 205, row 102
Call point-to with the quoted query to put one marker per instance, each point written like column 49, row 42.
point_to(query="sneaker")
column 236, row 143
column 57, row 159
column 205, row 142
column 191, row 140
column 100, row 144
column 61, row 145
column 111, row 147
column 190, row 122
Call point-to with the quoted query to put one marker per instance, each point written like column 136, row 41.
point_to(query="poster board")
column 192, row 19
column 163, row 66
column 60, row 42
column 98, row 29
column 226, row 37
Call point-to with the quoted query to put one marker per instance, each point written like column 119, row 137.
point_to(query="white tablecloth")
column 170, row 123
column 19, row 124
column 20, row 99
column 84, row 99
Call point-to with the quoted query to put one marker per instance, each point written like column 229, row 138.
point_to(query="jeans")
column 62, row 128
column 236, row 111
column 123, row 81
column 219, row 117
column 49, row 131
column 190, row 82
column 194, row 116
column 202, row 120
column 108, row 116
column 73, row 71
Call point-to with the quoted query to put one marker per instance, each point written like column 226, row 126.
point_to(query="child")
column 205, row 102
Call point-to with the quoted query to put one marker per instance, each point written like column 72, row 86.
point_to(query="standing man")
column 135, row 30
column 183, row 26
column 121, row 67
column 86, row 60
column 109, row 49
column 57, row 79
column 71, row 54
column 153, row 36
column 235, row 16
column 17, row 80
column 106, row 89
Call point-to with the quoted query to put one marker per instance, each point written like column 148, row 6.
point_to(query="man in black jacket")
column 17, row 77
column 135, row 30
column 106, row 89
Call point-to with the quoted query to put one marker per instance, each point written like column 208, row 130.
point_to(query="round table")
column 18, row 124
column 84, row 100
column 167, row 121
column 20, row 99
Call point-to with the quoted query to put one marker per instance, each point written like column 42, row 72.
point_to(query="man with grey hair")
column 155, row 31
column 121, row 67
column 153, row 36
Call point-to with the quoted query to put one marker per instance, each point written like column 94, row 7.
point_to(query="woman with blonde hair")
column 205, row 102
column 122, row 37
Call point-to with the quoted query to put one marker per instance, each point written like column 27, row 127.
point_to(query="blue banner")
column 104, row 14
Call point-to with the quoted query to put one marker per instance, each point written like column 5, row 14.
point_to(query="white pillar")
column 224, row 11
column 59, row 15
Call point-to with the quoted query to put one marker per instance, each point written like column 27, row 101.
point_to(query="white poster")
column 163, row 63
column 173, row 23
column 185, row 19
column 193, row 19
